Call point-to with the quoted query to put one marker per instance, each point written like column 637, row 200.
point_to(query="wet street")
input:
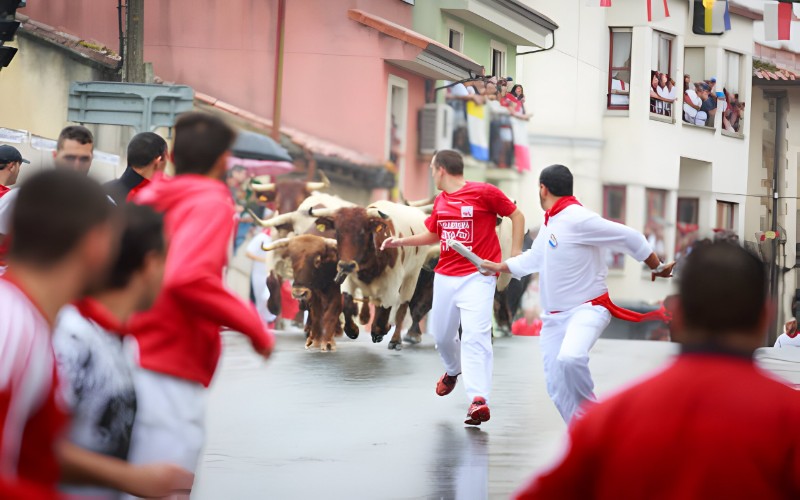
column 364, row 422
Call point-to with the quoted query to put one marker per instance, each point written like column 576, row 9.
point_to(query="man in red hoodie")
column 179, row 337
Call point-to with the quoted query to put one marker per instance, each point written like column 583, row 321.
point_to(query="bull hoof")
column 309, row 342
column 351, row 332
column 397, row 346
column 413, row 338
column 376, row 338
column 328, row 347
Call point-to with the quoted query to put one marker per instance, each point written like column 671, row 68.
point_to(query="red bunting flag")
column 657, row 10
column 777, row 20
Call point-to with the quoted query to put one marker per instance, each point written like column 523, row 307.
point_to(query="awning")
column 509, row 19
column 432, row 59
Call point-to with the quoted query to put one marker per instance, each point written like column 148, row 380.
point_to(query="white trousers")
column 466, row 300
column 170, row 420
column 258, row 278
column 566, row 339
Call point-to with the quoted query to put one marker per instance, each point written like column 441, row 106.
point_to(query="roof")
column 87, row 50
column 532, row 15
column 418, row 40
column 779, row 74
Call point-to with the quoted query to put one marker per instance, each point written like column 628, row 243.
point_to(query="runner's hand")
column 489, row 268
column 159, row 480
column 663, row 271
column 390, row 242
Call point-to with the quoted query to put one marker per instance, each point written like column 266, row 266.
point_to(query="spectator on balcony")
column 692, row 102
column 654, row 104
column 620, row 91
column 667, row 94
column 514, row 101
column 457, row 97
column 501, row 137
column 687, row 81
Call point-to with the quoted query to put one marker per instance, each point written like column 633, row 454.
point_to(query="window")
column 456, row 40
column 456, row 35
column 726, row 215
column 733, row 107
column 655, row 218
column 614, row 210
column 694, row 64
column 688, row 209
column 498, row 59
column 619, row 68
column 663, row 91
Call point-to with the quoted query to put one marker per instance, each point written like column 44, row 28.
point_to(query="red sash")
column 560, row 205
column 660, row 314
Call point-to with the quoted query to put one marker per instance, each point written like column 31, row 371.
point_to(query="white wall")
column 566, row 90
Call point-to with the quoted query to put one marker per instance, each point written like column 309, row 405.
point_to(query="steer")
column 288, row 195
column 314, row 261
column 386, row 278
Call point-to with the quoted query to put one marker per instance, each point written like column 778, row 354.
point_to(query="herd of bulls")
column 330, row 250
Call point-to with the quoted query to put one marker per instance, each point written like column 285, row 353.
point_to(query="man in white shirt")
column 790, row 337
column 568, row 253
column 692, row 101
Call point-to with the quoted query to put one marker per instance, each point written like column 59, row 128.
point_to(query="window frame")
column 612, row 69
column 618, row 259
column 695, row 202
column 658, row 36
column 663, row 214
column 494, row 45
column 733, row 213
column 458, row 28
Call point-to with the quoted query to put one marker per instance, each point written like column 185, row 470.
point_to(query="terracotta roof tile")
column 84, row 48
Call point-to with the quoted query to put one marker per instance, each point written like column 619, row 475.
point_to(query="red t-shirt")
column 709, row 426
column 469, row 216
column 32, row 415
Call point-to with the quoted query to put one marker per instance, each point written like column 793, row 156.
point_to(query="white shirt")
column 787, row 341
column 696, row 100
column 458, row 90
column 569, row 255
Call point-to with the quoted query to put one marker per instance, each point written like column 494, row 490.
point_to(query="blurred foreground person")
column 711, row 424
column 179, row 339
column 96, row 377
column 62, row 244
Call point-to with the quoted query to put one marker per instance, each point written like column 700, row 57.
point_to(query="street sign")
column 143, row 106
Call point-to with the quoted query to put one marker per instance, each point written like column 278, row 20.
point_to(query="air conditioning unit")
column 435, row 128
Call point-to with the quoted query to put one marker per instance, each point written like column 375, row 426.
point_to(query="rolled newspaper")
column 467, row 253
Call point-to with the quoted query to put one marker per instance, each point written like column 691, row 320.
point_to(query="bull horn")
column 275, row 245
column 316, row 186
column 262, row 188
column 374, row 212
column 428, row 209
column 277, row 220
column 330, row 241
column 421, row 203
column 321, row 212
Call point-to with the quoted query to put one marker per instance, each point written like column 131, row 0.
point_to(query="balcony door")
column 396, row 126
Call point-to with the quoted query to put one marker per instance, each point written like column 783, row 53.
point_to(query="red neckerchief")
column 793, row 334
column 136, row 189
column 9, row 276
column 3, row 190
column 560, row 205
column 93, row 310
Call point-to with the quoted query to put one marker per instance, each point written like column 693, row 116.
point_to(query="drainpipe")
column 780, row 139
column 278, row 94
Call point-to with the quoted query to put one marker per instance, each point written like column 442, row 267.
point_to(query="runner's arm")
column 528, row 262
column 517, row 232
column 81, row 466
column 422, row 239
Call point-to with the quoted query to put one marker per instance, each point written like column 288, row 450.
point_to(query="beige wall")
column 36, row 89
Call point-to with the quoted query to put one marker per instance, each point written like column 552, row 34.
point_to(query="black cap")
column 9, row 154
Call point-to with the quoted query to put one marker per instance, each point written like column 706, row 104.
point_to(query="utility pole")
column 134, row 43
column 278, row 92
column 778, row 162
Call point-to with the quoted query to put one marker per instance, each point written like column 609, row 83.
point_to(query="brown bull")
column 386, row 278
column 314, row 261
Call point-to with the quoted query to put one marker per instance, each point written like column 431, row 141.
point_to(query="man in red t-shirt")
column 465, row 212
column 720, row 426
column 11, row 161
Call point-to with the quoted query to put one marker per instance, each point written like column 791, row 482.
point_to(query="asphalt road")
column 364, row 422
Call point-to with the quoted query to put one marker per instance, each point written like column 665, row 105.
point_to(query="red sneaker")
column 446, row 384
column 478, row 412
